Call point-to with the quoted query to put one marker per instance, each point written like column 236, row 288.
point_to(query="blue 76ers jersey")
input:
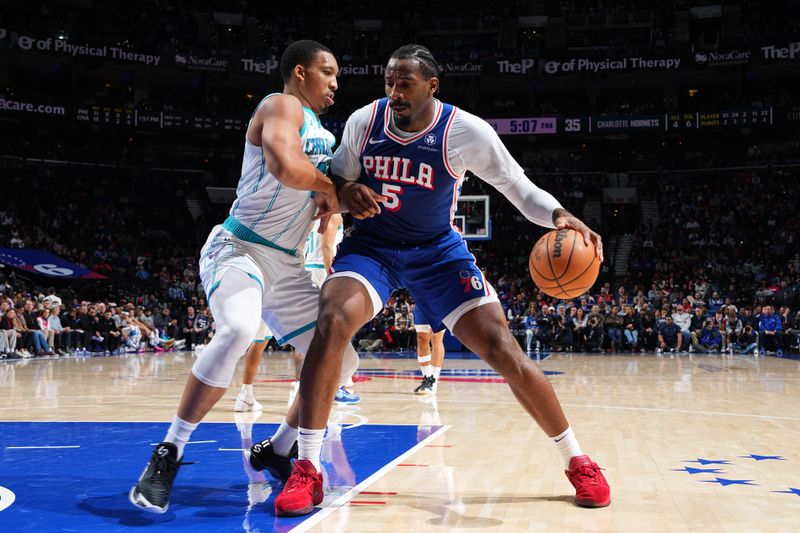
column 413, row 174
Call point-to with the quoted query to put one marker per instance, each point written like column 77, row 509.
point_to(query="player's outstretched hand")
column 568, row 220
column 361, row 201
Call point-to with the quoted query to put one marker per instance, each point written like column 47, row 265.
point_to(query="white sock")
column 567, row 445
column 179, row 433
column 436, row 371
column 310, row 443
column 247, row 390
column 283, row 439
column 427, row 370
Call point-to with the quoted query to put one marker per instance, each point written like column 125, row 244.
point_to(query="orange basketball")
column 563, row 266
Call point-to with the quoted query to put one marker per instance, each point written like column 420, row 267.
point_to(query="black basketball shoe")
column 428, row 386
column 262, row 456
column 151, row 492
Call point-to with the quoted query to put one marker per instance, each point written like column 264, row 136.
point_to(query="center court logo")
column 430, row 139
column 6, row 498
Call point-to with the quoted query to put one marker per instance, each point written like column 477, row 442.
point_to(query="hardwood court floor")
column 703, row 443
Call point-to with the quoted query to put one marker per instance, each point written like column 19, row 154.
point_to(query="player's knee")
column 238, row 332
column 336, row 323
column 501, row 348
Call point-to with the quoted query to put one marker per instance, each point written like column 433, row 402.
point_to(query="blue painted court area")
column 75, row 476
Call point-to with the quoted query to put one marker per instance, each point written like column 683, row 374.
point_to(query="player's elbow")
column 287, row 172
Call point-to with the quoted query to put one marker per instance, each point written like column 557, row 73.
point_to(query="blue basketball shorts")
column 440, row 274
column 421, row 321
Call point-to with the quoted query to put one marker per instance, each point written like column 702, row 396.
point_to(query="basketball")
column 562, row 265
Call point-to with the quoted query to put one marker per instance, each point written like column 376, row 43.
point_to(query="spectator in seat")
column 146, row 318
column 112, row 336
column 9, row 336
column 593, row 335
column 630, row 325
column 770, row 331
column 746, row 341
column 669, row 336
column 579, row 322
column 710, row 338
column 531, row 326
column 188, row 328
column 613, row 325
column 52, row 298
column 54, row 322
column 387, row 327
column 595, row 313
column 373, row 340
column 562, row 339
column 715, row 302
column 696, row 327
column 88, row 323
column 70, row 335
column 648, row 332
column 202, row 324
column 31, row 324
column 545, row 331
column 166, row 324
column 684, row 321
column 733, row 327
column 404, row 327
column 43, row 322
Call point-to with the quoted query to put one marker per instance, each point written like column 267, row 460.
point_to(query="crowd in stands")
column 44, row 325
column 719, row 270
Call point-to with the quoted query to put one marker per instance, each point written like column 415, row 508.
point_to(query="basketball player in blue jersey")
column 251, row 265
column 412, row 149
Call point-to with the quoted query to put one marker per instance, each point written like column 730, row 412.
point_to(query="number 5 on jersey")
column 392, row 192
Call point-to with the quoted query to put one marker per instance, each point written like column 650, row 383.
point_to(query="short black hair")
column 427, row 63
column 300, row 52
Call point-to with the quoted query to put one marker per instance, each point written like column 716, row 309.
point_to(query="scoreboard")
column 128, row 116
column 135, row 118
column 704, row 120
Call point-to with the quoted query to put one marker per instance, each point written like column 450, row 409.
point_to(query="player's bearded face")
column 410, row 93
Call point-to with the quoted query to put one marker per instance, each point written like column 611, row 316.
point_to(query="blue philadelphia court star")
column 692, row 470
column 708, row 462
column 790, row 491
column 763, row 457
column 725, row 482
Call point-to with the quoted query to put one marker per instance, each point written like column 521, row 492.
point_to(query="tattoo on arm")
column 560, row 212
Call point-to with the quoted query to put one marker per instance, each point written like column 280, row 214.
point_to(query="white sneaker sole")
column 141, row 502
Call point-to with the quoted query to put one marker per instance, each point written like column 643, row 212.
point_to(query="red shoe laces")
column 298, row 479
column 588, row 472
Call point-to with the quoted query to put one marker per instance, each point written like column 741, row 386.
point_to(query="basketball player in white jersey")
column 319, row 252
column 251, row 265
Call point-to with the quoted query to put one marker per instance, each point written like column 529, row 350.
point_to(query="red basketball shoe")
column 591, row 488
column 302, row 492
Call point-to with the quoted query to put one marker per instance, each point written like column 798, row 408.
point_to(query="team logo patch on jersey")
column 430, row 139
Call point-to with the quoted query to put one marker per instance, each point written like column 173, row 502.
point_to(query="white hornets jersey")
column 313, row 250
column 266, row 211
